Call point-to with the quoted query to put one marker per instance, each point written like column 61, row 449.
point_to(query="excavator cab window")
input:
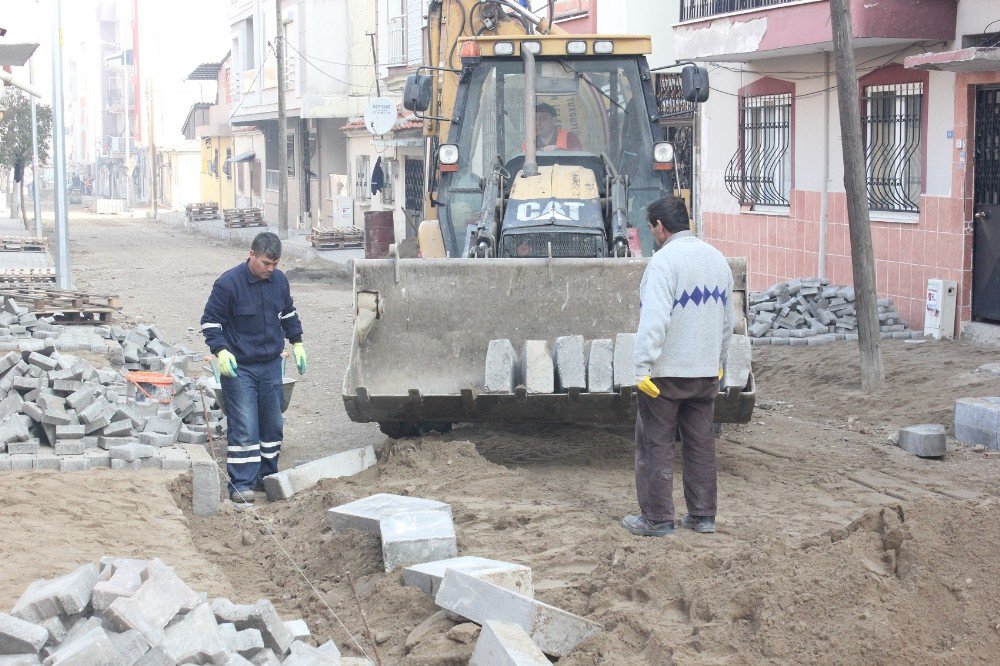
column 599, row 106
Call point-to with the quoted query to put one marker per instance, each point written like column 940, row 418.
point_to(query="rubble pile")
column 59, row 412
column 129, row 611
column 811, row 311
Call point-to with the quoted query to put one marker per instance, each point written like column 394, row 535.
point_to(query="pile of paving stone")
column 59, row 412
column 126, row 611
column 811, row 311
column 419, row 535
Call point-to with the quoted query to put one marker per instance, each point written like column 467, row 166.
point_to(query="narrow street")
column 830, row 536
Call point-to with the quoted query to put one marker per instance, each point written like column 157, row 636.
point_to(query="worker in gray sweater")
column 685, row 324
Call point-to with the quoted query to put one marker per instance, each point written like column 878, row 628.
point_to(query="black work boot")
column 700, row 524
column 639, row 526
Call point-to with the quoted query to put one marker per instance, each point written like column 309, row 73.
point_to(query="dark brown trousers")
column 686, row 405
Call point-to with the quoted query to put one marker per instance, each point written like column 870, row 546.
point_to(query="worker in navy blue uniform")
column 247, row 319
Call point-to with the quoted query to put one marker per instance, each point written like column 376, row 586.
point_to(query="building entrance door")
column 986, row 212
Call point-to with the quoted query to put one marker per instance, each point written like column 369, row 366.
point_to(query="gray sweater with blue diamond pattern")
column 685, row 310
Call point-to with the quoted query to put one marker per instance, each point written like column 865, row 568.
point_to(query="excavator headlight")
column 663, row 156
column 576, row 47
column 503, row 48
column 532, row 47
column 604, row 46
column 448, row 157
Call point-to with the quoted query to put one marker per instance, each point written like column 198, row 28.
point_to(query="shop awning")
column 243, row 157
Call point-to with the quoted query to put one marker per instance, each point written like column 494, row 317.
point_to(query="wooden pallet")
column 27, row 275
column 202, row 211
column 67, row 307
column 22, row 244
column 337, row 238
column 243, row 217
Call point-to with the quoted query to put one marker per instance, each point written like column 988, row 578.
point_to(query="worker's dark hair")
column 546, row 108
column 671, row 212
column 267, row 244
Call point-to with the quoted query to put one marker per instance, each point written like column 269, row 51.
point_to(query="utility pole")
column 59, row 151
column 862, row 257
column 279, row 52
column 152, row 149
column 128, row 133
column 35, row 180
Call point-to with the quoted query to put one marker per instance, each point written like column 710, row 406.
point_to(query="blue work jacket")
column 250, row 317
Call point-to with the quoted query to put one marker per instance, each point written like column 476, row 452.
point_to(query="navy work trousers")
column 255, row 423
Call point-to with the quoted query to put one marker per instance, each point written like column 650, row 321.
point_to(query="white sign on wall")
column 380, row 115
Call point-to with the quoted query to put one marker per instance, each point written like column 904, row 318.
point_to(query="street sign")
column 380, row 115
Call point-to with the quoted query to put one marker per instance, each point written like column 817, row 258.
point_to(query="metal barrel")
column 379, row 233
column 423, row 326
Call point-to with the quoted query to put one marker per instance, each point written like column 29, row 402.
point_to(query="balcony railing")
column 700, row 9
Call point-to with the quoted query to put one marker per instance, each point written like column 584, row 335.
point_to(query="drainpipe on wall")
column 824, row 207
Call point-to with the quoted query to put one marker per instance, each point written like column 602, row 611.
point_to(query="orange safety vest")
column 562, row 140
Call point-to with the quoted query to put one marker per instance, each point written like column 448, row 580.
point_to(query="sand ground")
column 834, row 545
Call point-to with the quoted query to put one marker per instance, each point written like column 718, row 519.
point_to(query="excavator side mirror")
column 694, row 84
column 417, row 93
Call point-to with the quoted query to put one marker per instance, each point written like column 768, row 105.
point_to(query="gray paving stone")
column 195, row 638
column 46, row 459
column 926, row 440
column 302, row 654
column 415, row 537
column 74, row 464
column 506, row 644
column 70, row 431
column 284, row 484
column 299, row 629
column 600, row 366
column 21, row 462
column 624, row 363
column 205, row 480
column 13, row 429
column 126, row 465
column 571, row 366
column 19, row 636
column 161, row 596
column 977, row 421
column 266, row 620
column 156, row 439
column 501, row 367
column 555, row 631
column 365, row 514
column 129, row 647
column 122, row 577
column 738, row 359
column 10, row 405
column 537, row 369
column 27, row 447
column 226, row 612
column 93, row 648
column 97, row 458
column 427, row 577
column 66, row 595
column 247, row 642
column 118, row 429
column 130, row 452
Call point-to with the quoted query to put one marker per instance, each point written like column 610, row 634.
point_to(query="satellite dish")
column 380, row 115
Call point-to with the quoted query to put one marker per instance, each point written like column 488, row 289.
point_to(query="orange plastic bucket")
column 150, row 386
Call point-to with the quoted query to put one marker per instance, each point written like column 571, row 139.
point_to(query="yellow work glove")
column 299, row 352
column 647, row 386
column 721, row 372
column 227, row 363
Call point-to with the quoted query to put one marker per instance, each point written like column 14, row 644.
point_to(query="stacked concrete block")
column 737, row 367
column 412, row 529
column 501, row 367
column 977, row 421
column 506, row 644
column 284, row 484
column 537, row 369
column 62, row 400
column 206, row 481
column 140, row 612
column 808, row 311
column 926, row 440
column 555, row 631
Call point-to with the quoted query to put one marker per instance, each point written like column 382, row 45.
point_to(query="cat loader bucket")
column 423, row 326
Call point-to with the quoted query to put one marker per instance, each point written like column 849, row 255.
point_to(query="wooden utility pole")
column 862, row 257
column 279, row 52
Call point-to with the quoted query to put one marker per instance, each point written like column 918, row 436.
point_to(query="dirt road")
column 833, row 546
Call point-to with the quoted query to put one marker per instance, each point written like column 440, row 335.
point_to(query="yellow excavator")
column 543, row 151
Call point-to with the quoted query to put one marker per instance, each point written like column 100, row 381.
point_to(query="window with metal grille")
column 413, row 184
column 362, row 174
column 389, row 184
column 891, row 126
column 760, row 171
